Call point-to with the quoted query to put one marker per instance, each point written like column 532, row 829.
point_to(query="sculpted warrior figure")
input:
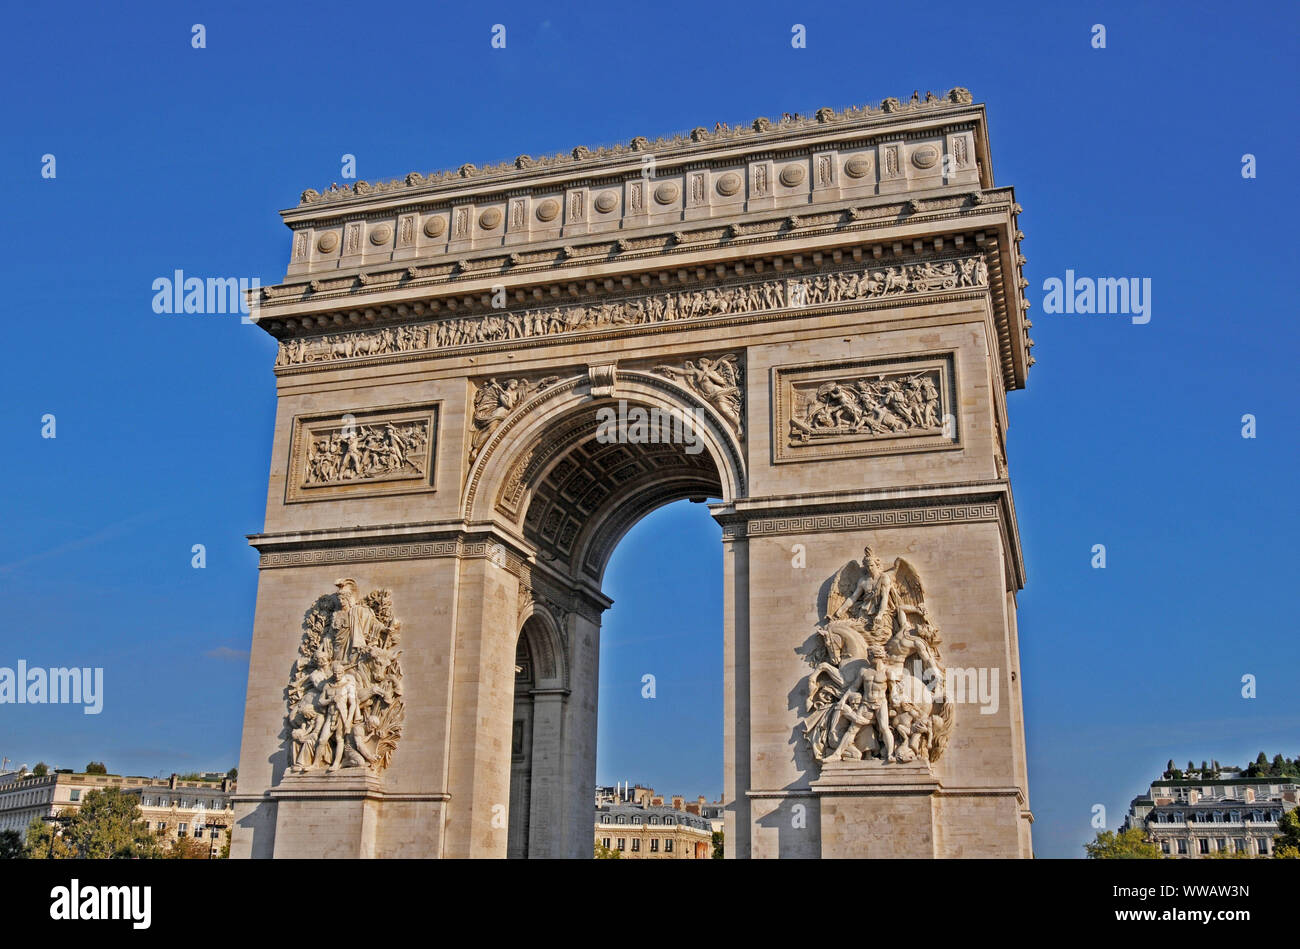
column 340, row 695
column 876, row 690
column 879, row 595
column 345, row 695
column 867, row 703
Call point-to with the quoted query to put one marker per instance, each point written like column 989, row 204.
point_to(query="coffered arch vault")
column 572, row 496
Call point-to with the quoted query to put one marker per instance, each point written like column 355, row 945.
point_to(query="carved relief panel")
column 865, row 407
column 364, row 453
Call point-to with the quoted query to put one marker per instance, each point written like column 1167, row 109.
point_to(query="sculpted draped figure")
column 345, row 694
column 496, row 400
column 877, row 689
column 717, row 381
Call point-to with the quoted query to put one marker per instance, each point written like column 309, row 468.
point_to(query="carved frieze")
column 858, row 407
column 810, row 290
column 876, row 691
column 369, row 451
column 345, row 707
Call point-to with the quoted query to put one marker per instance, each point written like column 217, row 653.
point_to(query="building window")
column 162, row 827
column 75, row 794
column 1240, row 844
column 622, row 843
column 1164, row 846
column 1182, row 847
column 636, row 844
column 146, row 802
column 605, row 843
column 180, row 829
column 1204, row 844
column 668, row 845
column 1263, row 846
column 1221, row 843
column 654, row 845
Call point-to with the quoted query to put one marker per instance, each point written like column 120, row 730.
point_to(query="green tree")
column 187, row 848
column 96, row 767
column 1286, row 846
column 225, row 848
column 1131, row 844
column 43, row 843
column 11, row 845
column 233, row 774
column 109, row 826
column 718, row 844
column 41, row 769
column 1278, row 767
column 602, row 852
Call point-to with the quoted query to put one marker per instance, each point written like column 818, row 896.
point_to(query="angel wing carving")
column 842, row 586
column 728, row 367
column 909, row 583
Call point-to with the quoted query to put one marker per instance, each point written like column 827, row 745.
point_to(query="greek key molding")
column 368, row 554
column 862, row 520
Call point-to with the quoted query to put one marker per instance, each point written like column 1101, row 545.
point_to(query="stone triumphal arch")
column 486, row 376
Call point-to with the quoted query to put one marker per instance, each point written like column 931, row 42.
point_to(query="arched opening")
column 570, row 490
column 660, row 721
column 536, row 738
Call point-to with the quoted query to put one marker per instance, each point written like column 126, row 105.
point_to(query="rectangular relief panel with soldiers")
column 363, row 453
column 851, row 408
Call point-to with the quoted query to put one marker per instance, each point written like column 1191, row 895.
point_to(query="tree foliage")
column 1286, row 846
column 1131, row 844
column 11, row 845
column 107, row 826
column 187, row 848
column 96, row 767
column 45, row 843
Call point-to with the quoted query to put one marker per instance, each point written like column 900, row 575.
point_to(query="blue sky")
column 1127, row 162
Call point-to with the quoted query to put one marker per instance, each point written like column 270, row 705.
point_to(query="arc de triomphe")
column 487, row 376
